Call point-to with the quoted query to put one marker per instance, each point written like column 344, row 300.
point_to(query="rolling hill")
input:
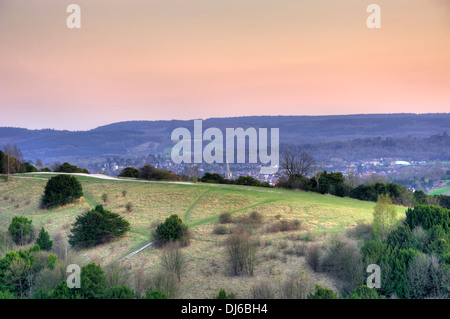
column 135, row 138
column 199, row 205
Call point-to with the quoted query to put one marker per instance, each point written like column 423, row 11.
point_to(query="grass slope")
column 199, row 205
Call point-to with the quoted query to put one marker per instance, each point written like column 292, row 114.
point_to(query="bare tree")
column 297, row 164
column 8, row 151
column 317, row 170
column 39, row 164
column 375, row 178
column 192, row 171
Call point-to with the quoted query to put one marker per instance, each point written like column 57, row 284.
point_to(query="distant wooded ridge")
column 410, row 136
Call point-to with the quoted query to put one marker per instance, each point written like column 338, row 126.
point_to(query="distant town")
column 415, row 175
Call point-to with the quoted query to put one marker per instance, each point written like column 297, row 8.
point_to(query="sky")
column 188, row 59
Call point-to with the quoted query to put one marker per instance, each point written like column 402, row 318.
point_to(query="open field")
column 441, row 191
column 198, row 205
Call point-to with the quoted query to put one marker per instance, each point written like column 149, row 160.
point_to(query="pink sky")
column 185, row 59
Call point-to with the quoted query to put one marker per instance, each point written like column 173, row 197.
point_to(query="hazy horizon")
column 179, row 59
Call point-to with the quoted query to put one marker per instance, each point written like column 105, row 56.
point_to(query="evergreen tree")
column 61, row 190
column 44, row 241
column 97, row 226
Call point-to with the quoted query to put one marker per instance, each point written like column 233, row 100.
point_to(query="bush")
column 172, row 229
column 6, row 243
column 241, row 254
column 314, row 256
column 173, row 260
column 67, row 168
column 323, row 293
column 104, row 197
column 221, row 230
column 21, row 230
column 343, row 260
column 119, row 292
column 224, row 295
column 150, row 172
column 247, row 180
column 296, row 286
column 167, row 283
column 129, row 172
column 428, row 216
column 225, row 218
column 263, row 290
column 402, row 237
column 97, row 226
column 129, row 207
column 155, row 294
column 285, row 225
column 364, row 292
column 61, row 190
column 254, row 218
column 44, row 241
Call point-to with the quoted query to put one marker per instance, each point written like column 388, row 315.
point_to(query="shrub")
column 172, row 229
column 173, row 260
column 150, row 172
column 104, row 197
column 247, row 180
column 313, row 257
column 155, row 294
column 285, row 225
column 129, row 207
column 167, row 283
column 224, row 295
column 225, row 218
column 323, row 293
column 129, row 172
column 68, row 168
column 241, row 254
column 21, row 230
column 428, row 216
column 263, row 289
column 119, row 292
column 364, row 292
column 61, row 190
column 97, row 226
column 343, row 260
column 402, row 238
column 6, row 243
column 296, row 286
column 44, row 241
column 221, row 230
column 254, row 218
column 360, row 231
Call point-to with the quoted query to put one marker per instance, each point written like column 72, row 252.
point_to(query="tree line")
column 297, row 167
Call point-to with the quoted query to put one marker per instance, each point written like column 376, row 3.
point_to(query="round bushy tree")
column 61, row 190
column 21, row 230
column 97, row 226
column 172, row 229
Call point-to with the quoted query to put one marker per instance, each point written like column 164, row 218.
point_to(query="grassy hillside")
column 199, row 205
